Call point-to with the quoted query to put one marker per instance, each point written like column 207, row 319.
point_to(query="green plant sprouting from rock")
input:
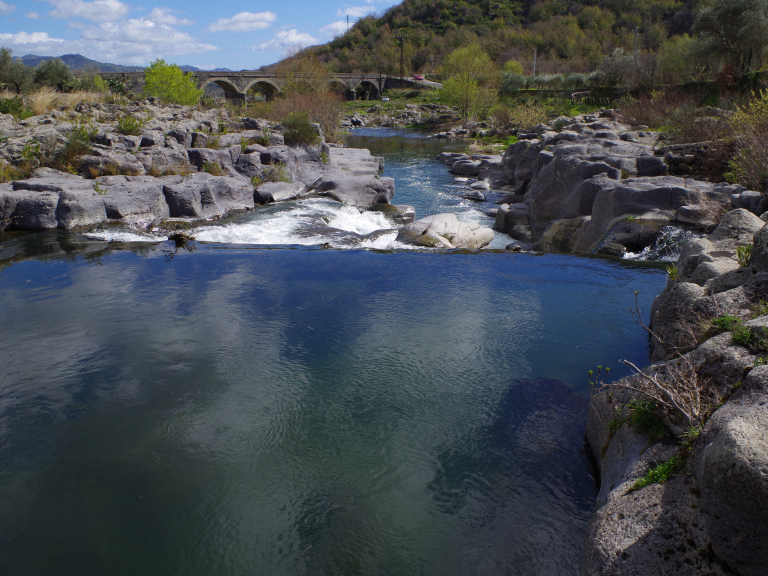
column 744, row 254
column 659, row 473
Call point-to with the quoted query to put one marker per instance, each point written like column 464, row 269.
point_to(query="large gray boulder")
column 136, row 199
column 355, row 190
column 445, row 231
column 203, row 195
column 731, row 469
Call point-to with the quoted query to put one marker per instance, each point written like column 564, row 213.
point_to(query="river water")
column 260, row 405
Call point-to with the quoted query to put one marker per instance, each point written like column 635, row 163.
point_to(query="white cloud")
column 286, row 40
column 354, row 11
column 243, row 22
column 96, row 11
column 166, row 16
column 32, row 15
column 138, row 41
column 6, row 8
column 335, row 29
column 24, row 39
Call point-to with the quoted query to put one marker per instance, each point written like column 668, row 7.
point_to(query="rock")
column 270, row 192
column 203, row 195
column 355, row 190
column 749, row 200
column 474, row 195
column 397, row 213
column 651, row 166
column 731, row 469
column 513, row 220
column 135, row 199
column 445, row 230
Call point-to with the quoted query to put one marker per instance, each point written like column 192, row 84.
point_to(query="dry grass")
column 42, row 101
column 678, row 387
column 750, row 127
column 46, row 99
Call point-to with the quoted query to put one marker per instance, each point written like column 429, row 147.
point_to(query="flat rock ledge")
column 594, row 184
column 187, row 165
column 713, row 517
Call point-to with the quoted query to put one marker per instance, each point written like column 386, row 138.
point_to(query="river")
column 260, row 404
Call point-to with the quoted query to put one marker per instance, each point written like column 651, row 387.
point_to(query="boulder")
column 354, row 190
column 203, row 195
column 731, row 469
column 445, row 230
column 269, row 192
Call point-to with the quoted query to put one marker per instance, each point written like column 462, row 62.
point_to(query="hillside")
column 565, row 35
column 79, row 63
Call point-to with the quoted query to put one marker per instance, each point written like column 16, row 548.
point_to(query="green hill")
column 563, row 35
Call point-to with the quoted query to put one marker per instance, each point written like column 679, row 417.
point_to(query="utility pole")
column 400, row 41
column 637, row 60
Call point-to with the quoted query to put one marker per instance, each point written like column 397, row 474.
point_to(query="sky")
column 238, row 35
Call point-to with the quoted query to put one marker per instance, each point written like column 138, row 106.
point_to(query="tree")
column 169, row 83
column 13, row 73
column 304, row 74
column 18, row 76
column 733, row 31
column 54, row 73
column 5, row 61
column 469, row 73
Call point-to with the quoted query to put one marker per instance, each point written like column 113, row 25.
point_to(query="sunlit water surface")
column 244, row 410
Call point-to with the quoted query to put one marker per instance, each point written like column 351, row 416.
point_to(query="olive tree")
column 169, row 83
column 13, row 73
column 54, row 73
column 733, row 31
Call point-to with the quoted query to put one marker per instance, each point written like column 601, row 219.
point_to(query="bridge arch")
column 340, row 88
column 230, row 90
column 367, row 90
column 263, row 86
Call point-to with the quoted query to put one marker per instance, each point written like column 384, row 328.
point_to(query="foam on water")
column 125, row 236
column 305, row 223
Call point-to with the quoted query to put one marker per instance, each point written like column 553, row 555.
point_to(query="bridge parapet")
column 237, row 84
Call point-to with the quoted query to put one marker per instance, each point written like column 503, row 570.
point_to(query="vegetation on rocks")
column 169, row 83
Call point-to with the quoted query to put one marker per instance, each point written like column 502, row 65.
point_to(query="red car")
column 418, row 77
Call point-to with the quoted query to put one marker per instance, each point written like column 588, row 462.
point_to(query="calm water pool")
column 245, row 410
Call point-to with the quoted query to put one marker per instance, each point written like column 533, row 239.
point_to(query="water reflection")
column 302, row 411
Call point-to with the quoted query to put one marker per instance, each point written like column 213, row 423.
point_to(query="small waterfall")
column 667, row 247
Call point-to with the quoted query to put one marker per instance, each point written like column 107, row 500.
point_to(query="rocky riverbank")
column 594, row 184
column 682, row 446
column 185, row 165
column 710, row 344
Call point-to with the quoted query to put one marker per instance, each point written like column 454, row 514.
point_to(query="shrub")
column 169, row 83
column 212, row 168
column 276, row 172
column 130, row 124
column 299, row 130
column 726, row 322
column 643, row 418
column 749, row 126
column 78, row 143
column 676, row 387
column 9, row 172
column 13, row 106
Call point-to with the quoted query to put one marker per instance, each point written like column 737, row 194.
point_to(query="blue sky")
column 233, row 34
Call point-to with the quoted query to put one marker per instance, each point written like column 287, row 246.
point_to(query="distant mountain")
column 79, row 63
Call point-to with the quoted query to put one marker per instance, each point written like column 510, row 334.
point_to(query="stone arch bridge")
column 236, row 85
